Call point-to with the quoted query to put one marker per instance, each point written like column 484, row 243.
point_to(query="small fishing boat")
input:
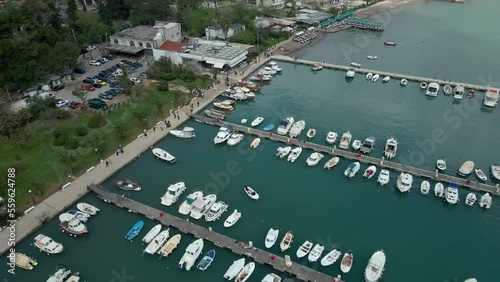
column 317, row 68
column 257, row 121
column 331, row 257
column 157, row 242
column 73, row 227
column 170, row 246
column 315, row 253
column 370, row 172
column 173, row 193
column 350, row 73
column 311, row 133
column 425, row 187
column 351, row 170
column 451, row 194
column 485, row 201
column 375, row 267
column 87, row 208
column 235, row 139
column 222, row 106
column 331, row 163
column 447, row 89
column 371, row 57
column 24, row 261
column 46, row 244
column 346, row 263
column 304, row 249
column 268, row 127
column 432, row 89
column 185, row 133
column 164, row 155
column 245, row 273
column 458, row 92
column 314, row 159
column 356, row 144
column 390, row 43
column 271, row 237
column 71, row 214
column 331, row 137
column 152, row 234
column 134, row 231
column 193, row 251
column 74, row 277
column 345, row 140
column 234, row 269
column 439, row 190
column 404, row 183
column 271, row 277
column 243, row 121
column 251, row 192
column 404, row 82
column 255, row 143
column 495, row 172
column 283, row 151
column 356, row 65
column 232, row 219
column 466, row 168
column 206, row 260
column 383, row 177
column 386, row 79
column 369, row 76
column 215, row 114
column 480, row 174
column 59, row 276
column 215, row 211
column 423, row 85
column 375, row 77
column 441, row 164
column 126, row 184
column 186, row 206
column 470, row 199
column 287, row 241
column 294, row 154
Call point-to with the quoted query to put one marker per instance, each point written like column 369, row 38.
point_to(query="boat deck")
column 382, row 163
column 261, row 256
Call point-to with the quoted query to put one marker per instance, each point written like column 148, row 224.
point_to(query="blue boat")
column 206, row 260
column 269, row 127
column 134, row 231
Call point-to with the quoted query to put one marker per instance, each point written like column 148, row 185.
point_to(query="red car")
column 88, row 87
column 111, row 70
column 75, row 105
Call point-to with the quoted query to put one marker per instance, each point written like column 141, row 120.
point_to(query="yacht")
column 495, row 172
column 223, row 134
column 439, row 190
column 425, row 187
column 271, row 277
column 315, row 253
column 186, row 132
column 447, row 89
column 345, row 141
column 285, row 125
column 234, row 269
column 297, row 128
column 491, row 97
column 202, row 205
column 232, row 219
column 405, row 180
column 257, row 121
column 173, row 193
column 73, row 227
column 170, row 246
column 287, row 241
column 331, row 137
column 235, row 139
column 352, row 169
column 350, row 73
column 458, row 92
column 314, row 159
column 60, row 275
column 383, row 177
column 245, row 272
column 451, row 195
column 466, row 168
column 283, row 151
column 369, row 76
column 152, row 234
column 46, row 244
column 356, row 144
column 441, row 164
column 391, row 148
column 470, row 199
column 294, row 154
column 215, row 211
column 375, row 267
column 186, row 206
column 375, row 77
column 193, row 251
column 157, row 242
column 304, row 249
column 271, row 237
column 432, row 89
column 331, row 163
column 368, row 145
column 404, row 82
column 485, row 201
column 331, row 257
column 370, row 172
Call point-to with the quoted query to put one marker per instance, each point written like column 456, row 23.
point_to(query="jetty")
column 355, row 156
column 381, row 73
column 261, row 256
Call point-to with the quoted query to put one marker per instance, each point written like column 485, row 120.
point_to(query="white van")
column 46, row 95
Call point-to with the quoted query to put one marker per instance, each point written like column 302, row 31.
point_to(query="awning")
column 125, row 49
column 237, row 62
column 208, row 61
column 218, row 65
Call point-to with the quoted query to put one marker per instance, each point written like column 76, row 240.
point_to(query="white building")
column 215, row 31
column 275, row 4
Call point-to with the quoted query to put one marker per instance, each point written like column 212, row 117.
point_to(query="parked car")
column 106, row 96
column 135, row 80
column 104, row 73
column 96, row 85
column 114, row 84
column 100, row 82
column 109, row 57
column 143, row 74
column 79, row 92
column 88, row 81
column 79, row 70
column 58, row 87
column 90, row 48
column 94, row 63
column 62, row 103
column 107, row 80
column 104, row 59
column 75, row 105
column 119, row 88
column 125, row 62
column 113, row 92
column 111, row 70
column 96, row 103
column 136, row 65
column 87, row 86
column 46, row 95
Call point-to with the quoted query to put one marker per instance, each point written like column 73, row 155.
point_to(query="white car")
column 95, row 63
column 104, row 60
column 62, row 103
column 90, row 48
column 135, row 80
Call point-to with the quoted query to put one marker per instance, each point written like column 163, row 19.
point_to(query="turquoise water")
column 424, row 238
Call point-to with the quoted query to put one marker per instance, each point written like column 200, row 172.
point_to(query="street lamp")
column 98, row 155
column 30, row 192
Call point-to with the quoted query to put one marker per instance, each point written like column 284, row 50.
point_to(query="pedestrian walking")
column 161, row 127
column 117, row 151
column 145, row 133
column 121, row 150
column 107, row 163
column 198, row 103
column 154, row 128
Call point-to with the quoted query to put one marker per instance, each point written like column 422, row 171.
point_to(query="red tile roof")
column 173, row 46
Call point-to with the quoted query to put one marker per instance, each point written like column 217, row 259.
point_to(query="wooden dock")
column 381, row 163
column 381, row 73
column 261, row 256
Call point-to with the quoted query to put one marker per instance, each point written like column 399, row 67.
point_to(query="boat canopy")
column 453, row 185
column 199, row 204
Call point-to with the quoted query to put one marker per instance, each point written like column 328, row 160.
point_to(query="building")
column 311, row 16
column 216, row 31
column 275, row 4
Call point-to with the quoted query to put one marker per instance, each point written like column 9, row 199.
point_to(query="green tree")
column 121, row 128
column 69, row 159
column 159, row 102
column 215, row 72
column 148, row 11
column 71, row 11
column 225, row 24
column 178, row 96
column 191, row 86
column 205, row 79
column 141, row 116
column 118, row 9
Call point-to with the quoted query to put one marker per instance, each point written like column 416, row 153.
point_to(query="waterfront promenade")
column 261, row 256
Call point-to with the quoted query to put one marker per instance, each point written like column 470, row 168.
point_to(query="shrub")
column 56, row 133
column 72, row 144
column 81, row 130
column 61, row 114
column 97, row 121
column 168, row 76
column 60, row 140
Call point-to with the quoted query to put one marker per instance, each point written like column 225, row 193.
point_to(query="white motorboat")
column 152, row 234
column 24, row 261
column 370, row 172
column 495, row 172
column 405, row 180
column 331, row 137
column 157, row 242
column 73, row 227
column 317, row 68
column 423, row 85
column 234, row 269
column 471, row 280
column 331, row 257
column 331, row 163
column 287, row 241
column 193, row 251
column 87, row 208
column 391, row 148
column 470, row 199
column 59, row 276
column 439, row 190
column 311, row 133
column 371, row 57
column 346, row 263
column 255, row 143
column 345, row 141
column 447, row 90
column 257, row 121
column 480, row 174
column 356, row 65
column 271, row 277
column 223, row 134
column 491, row 97
column 232, row 219
column 74, row 214
column 451, row 195
column 164, row 155
column 466, row 168
column 251, row 192
column 202, row 205
column 186, row 132
column 170, row 246
column 46, row 244
column 235, row 139
column 314, row 159
column 271, row 237
column 186, row 206
column 297, row 128
column 404, row 82
column 369, row 76
column 350, row 73
column 375, row 77
column 74, row 277
column 243, row 121
column 383, row 177
column 215, row 211
column 375, row 267
column 368, row 145
column 245, row 273
column 425, row 187
column 458, row 92
column 432, row 89
column 356, row 144
column 441, row 164
column 485, row 201
column 315, row 253
column 294, row 154
column 352, row 169
column 304, row 249
column 283, row 151
column 173, row 193
column 386, row 79
column 285, row 125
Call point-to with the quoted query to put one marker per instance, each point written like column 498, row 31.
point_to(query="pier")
column 261, row 256
column 355, row 156
column 381, row 73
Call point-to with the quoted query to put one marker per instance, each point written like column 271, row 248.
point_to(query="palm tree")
column 225, row 24
column 191, row 86
column 178, row 95
column 215, row 72
column 69, row 159
column 159, row 102
column 141, row 116
column 204, row 80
